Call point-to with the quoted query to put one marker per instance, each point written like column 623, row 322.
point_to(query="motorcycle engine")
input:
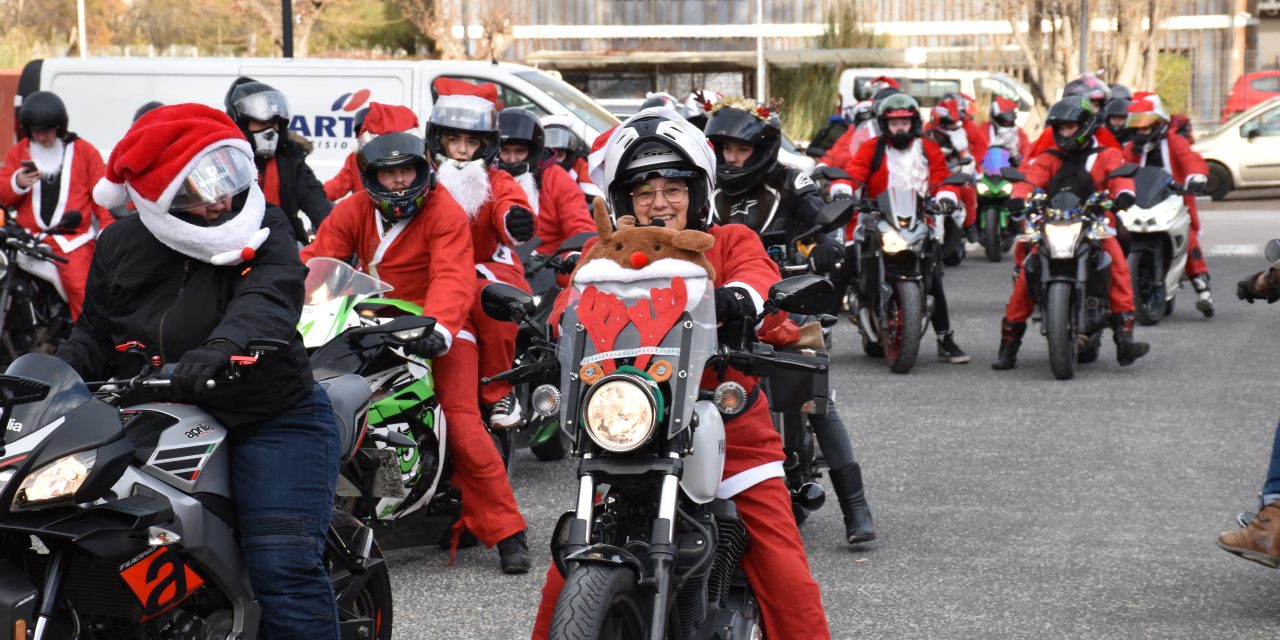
column 181, row 624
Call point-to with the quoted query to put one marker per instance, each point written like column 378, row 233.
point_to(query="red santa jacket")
column 489, row 229
column 562, row 211
column 874, row 182
column 1101, row 138
column 1042, row 168
column 841, row 151
column 427, row 258
column 1178, row 157
column 973, row 133
column 82, row 167
column 987, row 133
column 346, row 181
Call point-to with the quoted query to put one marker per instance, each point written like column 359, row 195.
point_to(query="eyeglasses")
column 673, row 194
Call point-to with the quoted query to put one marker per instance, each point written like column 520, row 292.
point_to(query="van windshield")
column 926, row 91
column 580, row 105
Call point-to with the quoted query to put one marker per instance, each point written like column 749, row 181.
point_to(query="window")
column 988, row 88
column 927, row 92
column 1269, row 85
column 508, row 96
column 578, row 104
column 1267, row 124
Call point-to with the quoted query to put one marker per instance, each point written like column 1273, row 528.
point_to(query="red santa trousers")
column 497, row 339
column 1021, row 307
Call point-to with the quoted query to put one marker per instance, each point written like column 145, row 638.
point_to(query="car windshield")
column 580, row 105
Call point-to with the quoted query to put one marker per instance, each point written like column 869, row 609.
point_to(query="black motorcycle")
column 34, row 316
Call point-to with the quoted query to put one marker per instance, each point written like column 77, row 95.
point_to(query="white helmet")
column 658, row 142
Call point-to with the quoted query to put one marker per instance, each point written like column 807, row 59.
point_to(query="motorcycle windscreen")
column 996, row 159
column 331, row 289
column 899, row 205
column 661, row 315
column 1150, row 183
column 66, row 392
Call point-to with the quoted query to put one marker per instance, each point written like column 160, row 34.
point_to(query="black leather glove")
column 946, row 206
column 825, row 258
column 1015, row 205
column 429, row 346
column 520, row 223
column 198, row 366
column 1123, row 201
column 733, row 303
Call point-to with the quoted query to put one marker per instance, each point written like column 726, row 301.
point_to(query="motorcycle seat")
column 350, row 395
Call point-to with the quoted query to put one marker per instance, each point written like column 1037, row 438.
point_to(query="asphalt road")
column 1009, row 504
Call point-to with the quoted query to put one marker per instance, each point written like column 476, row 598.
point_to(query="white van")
column 927, row 86
column 102, row 94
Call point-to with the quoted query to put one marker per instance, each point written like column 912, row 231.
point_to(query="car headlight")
column 1006, row 188
column 56, row 482
column 1061, row 238
column 983, row 188
column 620, row 414
column 892, row 241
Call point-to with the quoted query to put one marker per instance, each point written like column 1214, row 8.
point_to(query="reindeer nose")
column 639, row 260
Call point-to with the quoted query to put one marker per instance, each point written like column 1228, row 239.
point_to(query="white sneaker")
column 505, row 413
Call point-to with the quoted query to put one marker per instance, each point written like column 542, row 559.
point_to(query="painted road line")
column 1235, row 250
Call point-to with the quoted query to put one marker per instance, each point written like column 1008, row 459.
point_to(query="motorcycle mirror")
column 1125, row 170
column 805, row 295
column 831, row 173
column 1012, row 174
column 1272, row 252
column 405, row 323
column 833, row 215
column 505, row 302
column 814, row 152
column 957, row 179
column 575, row 242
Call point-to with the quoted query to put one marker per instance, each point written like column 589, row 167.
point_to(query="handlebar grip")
column 165, row 384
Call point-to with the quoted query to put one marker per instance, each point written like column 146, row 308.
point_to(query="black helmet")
column 1090, row 87
column 248, row 99
column 1004, row 112
column 655, row 146
column 357, row 121
column 43, row 110
column 899, row 105
column 738, row 121
column 517, row 125
column 1121, row 91
column 1077, row 109
column 1117, row 107
column 394, row 150
column 471, row 115
column 142, row 111
column 560, row 135
column 881, row 95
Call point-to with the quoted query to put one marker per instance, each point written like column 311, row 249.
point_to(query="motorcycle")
column 402, row 466
column 996, row 228
column 120, row 522
column 658, row 555
column 1069, row 276
column 34, row 313
column 1160, row 226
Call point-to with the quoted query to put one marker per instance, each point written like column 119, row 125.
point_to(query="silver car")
column 1244, row 153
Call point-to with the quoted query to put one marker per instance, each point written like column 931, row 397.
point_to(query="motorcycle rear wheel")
column 374, row 601
column 599, row 602
column 991, row 234
column 1059, row 330
column 904, row 326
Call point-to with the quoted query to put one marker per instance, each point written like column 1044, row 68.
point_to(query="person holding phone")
column 49, row 176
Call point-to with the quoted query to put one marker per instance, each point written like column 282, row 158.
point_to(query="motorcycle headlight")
column 1060, row 238
column 620, row 414
column 1006, row 188
column 983, row 188
column 891, row 241
column 54, row 483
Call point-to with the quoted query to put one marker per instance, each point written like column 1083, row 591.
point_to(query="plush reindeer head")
column 633, row 247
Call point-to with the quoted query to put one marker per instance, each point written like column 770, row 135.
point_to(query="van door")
column 1260, row 149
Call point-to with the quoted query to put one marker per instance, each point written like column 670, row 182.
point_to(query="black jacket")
column 140, row 289
column 299, row 188
column 787, row 200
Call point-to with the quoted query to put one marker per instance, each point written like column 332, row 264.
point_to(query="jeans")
column 283, row 475
column 1271, row 490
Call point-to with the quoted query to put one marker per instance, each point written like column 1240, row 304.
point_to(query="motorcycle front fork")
column 53, row 576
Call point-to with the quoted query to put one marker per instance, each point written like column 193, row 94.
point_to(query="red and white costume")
column 347, row 180
column 921, row 167
column 1182, row 162
column 82, row 167
column 967, row 142
column 775, row 563
column 562, row 211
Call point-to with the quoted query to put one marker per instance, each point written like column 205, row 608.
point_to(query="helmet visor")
column 223, row 172
column 465, row 113
column 559, row 138
column 264, row 106
column 898, row 105
column 1143, row 120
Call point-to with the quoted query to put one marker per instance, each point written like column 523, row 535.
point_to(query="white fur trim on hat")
column 109, row 194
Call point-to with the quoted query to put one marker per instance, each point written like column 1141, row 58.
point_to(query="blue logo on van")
column 334, row 131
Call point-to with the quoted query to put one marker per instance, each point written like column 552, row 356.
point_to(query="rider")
column 571, row 152
column 47, row 174
column 262, row 113
column 347, row 180
column 754, row 189
column 556, row 199
column 463, row 141
column 204, row 268
column 698, row 106
column 1003, row 132
column 660, row 169
column 1116, row 112
column 964, row 147
column 1097, row 93
column 1152, row 145
column 411, row 233
column 901, row 157
column 863, row 127
column 1077, row 165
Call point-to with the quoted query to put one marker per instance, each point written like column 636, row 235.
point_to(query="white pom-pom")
column 110, row 194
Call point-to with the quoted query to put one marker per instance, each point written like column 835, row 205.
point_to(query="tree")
column 1047, row 34
column 1133, row 57
column 435, row 20
column 305, row 14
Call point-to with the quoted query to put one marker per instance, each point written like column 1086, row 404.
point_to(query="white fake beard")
column 1005, row 137
column 530, row 186
column 908, row 168
column 48, row 159
column 468, row 184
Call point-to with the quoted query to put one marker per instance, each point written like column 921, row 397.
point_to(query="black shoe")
column 847, row 482
column 971, row 233
column 514, row 554
column 1010, row 339
column 949, row 351
column 1127, row 349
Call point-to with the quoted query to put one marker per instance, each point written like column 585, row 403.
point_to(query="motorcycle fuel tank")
column 177, row 443
column 705, row 466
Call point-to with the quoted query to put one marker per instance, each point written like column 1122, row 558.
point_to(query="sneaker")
column 1204, row 299
column 505, row 413
column 513, row 552
column 949, row 351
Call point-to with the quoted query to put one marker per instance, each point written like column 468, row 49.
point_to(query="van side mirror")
column 805, row 295
column 505, row 302
column 1126, row 170
column 1272, row 251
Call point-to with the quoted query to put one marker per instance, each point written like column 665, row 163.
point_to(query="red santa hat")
column 451, row 87
column 887, row 80
column 390, row 118
column 152, row 162
column 1005, row 105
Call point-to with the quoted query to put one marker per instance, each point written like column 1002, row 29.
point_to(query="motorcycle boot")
column 1010, row 339
column 1204, row 299
column 513, row 552
column 1127, row 349
column 1258, row 541
column 847, row 482
column 948, row 350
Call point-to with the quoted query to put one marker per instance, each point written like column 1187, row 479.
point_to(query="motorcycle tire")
column 991, row 234
column 1147, row 270
column 873, row 349
column 374, row 600
column 599, row 601
column 1059, row 330
column 553, row 448
column 1089, row 352
column 953, row 245
column 905, row 327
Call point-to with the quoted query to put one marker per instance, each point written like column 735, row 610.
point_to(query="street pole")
column 286, row 27
column 84, row 42
column 1084, row 36
column 760, row 68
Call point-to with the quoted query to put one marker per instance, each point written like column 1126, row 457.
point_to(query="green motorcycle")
column 996, row 228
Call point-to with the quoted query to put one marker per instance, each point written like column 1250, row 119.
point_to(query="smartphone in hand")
column 29, row 166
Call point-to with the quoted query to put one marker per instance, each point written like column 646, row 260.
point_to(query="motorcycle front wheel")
column 599, row 602
column 991, row 234
column 903, row 326
column 1059, row 330
column 1147, row 271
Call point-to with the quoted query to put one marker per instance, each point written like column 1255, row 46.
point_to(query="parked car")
column 1251, row 89
column 101, row 94
column 1244, row 153
column 927, row 86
